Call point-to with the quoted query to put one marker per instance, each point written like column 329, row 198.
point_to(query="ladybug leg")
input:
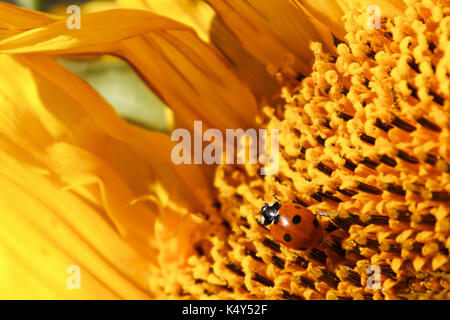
column 278, row 200
column 322, row 214
column 273, row 195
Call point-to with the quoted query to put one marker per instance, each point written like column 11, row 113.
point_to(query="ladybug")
column 293, row 225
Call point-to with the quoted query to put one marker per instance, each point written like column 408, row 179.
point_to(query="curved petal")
column 389, row 8
column 262, row 84
column 45, row 230
column 206, row 87
column 62, row 139
column 190, row 76
column 97, row 30
column 15, row 20
column 196, row 14
column 328, row 12
column 272, row 31
column 119, row 84
column 210, row 28
column 92, row 124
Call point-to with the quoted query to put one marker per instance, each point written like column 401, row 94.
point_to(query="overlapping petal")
column 192, row 77
column 44, row 230
column 273, row 31
column 253, row 71
column 193, row 13
column 210, row 28
column 330, row 13
column 71, row 162
column 15, row 20
column 388, row 8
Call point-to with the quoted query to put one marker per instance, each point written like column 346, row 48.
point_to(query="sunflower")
column 363, row 116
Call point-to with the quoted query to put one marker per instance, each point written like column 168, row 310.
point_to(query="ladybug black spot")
column 316, row 223
column 287, row 237
column 296, row 219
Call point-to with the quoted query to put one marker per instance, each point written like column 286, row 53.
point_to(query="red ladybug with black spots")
column 292, row 224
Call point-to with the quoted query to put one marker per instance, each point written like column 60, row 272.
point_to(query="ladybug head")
column 269, row 212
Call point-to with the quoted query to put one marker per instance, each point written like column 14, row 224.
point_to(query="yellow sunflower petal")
column 201, row 17
column 98, row 5
column 191, row 76
column 328, row 12
column 193, row 13
column 271, row 30
column 18, row 18
column 58, row 124
column 262, row 84
column 388, row 8
column 97, row 30
column 201, row 85
column 45, row 230
column 14, row 20
column 86, row 7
